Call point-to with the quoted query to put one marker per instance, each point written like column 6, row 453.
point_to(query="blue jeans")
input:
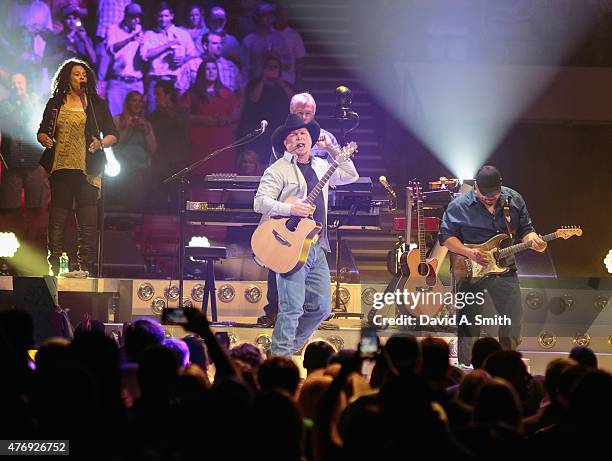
column 304, row 300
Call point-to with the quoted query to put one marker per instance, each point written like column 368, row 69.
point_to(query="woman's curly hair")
column 60, row 85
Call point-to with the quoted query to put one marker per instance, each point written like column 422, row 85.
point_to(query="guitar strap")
column 507, row 218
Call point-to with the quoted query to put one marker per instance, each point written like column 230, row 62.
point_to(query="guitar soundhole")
column 292, row 223
column 423, row 269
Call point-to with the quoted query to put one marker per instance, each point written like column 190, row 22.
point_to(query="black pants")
column 68, row 188
column 506, row 295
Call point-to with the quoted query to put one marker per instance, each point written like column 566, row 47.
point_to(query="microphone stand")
column 181, row 176
column 101, row 201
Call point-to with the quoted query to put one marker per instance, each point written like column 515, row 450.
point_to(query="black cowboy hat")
column 293, row 122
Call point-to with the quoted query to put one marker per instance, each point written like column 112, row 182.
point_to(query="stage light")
column 600, row 302
column 226, row 293
column 158, row 305
column 187, row 302
column 171, row 292
column 8, row 244
column 197, row 292
column 252, row 294
column 608, row 262
column 145, row 291
column 581, row 340
column 367, row 296
column 534, row 300
column 198, row 241
column 264, row 342
column 547, row 340
column 113, row 167
column 336, row 342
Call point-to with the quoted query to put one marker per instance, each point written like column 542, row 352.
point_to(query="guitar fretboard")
column 509, row 251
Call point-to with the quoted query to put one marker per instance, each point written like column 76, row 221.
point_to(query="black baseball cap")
column 488, row 180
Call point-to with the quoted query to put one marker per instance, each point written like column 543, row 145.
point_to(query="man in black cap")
column 475, row 217
column 304, row 296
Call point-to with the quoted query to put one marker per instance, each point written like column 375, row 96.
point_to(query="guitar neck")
column 421, row 228
column 319, row 187
column 509, row 251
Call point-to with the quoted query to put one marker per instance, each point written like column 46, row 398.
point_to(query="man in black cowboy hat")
column 304, row 296
column 475, row 217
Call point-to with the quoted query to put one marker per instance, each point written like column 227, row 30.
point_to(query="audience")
column 196, row 26
column 265, row 40
column 72, row 42
column 122, row 42
column 214, row 111
column 170, row 54
column 267, row 98
column 78, row 389
column 136, row 147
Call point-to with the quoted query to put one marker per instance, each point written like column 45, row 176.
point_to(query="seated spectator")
column 267, row 98
column 134, row 151
column 196, row 26
column 584, row 356
column 213, row 114
column 170, row 124
column 21, row 153
column 265, row 40
column 229, row 74
column 316, row 355
column 248, row 164
column 123, row 41
column 498, row 403
column 170, row 53
column 216, row 21
column 72, row 42
column 296, row 46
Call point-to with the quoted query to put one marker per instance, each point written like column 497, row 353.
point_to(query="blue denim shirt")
column 469, row 220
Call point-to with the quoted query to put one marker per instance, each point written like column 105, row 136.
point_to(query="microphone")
column 84, row 86
column 262, row 127
column 388, row 188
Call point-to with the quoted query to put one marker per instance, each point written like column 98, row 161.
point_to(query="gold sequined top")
column 70, row 148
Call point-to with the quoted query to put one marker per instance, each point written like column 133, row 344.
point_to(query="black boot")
column 55, row 236
column 87, row 233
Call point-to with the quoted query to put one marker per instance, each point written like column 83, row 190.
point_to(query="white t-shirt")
column 296, row 46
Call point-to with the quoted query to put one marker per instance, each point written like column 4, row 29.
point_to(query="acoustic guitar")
column 282, row 243
column 419, row 273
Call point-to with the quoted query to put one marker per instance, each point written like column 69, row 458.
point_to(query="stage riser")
column 228, row 306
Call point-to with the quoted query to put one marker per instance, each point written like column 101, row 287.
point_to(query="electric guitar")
column 464, row 269
column 419, row 272
column 282, row 243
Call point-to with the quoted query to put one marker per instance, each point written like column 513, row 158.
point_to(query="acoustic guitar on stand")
column 419, row 272
column 464, row 269
column 281, row 243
